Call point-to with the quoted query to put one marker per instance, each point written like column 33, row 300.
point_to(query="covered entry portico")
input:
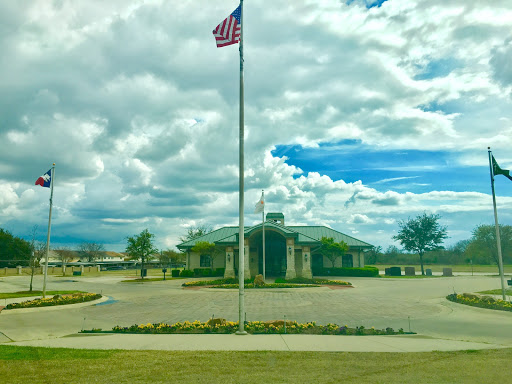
column 284, row 256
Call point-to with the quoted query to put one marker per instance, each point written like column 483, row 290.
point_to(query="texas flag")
column 260, row 205
column 45, row 180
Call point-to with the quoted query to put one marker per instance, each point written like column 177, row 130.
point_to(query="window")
column 347, row 261
column 205, row 261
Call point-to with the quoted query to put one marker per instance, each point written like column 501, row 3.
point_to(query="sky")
column 358, row 115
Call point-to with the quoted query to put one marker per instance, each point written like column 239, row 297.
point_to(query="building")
column 290, row 251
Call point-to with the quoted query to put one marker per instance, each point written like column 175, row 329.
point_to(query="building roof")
column 302, row 234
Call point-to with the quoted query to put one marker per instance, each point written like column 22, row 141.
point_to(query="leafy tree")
column 195, row 232
column 92, row 251
column 373, row 255
column 332, row 250
column 171, row 257
column 13, row 249
column 422, row 234
column 483, row 243
column 141, row 247
column 206, row 248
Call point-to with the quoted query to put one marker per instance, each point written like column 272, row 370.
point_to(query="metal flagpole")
column 498, row 239
column 49, row 228
column 263, row 229
column 241, row 243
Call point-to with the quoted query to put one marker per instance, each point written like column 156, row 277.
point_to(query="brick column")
column 230, row 263
column 290, row 259
column 306, row 263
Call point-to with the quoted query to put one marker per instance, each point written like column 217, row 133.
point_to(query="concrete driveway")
column 378, row 302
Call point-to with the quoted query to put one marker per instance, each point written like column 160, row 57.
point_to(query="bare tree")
column 37, row 249
column 92, row 251
column 195, row 232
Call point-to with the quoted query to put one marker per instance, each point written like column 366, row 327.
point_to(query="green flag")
column 496, row 170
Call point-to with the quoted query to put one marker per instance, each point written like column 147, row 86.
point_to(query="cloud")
column 139, row 110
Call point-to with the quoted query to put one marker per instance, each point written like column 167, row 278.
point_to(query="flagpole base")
column 241, row 333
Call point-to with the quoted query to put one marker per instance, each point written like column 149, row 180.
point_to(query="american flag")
column 228, row 32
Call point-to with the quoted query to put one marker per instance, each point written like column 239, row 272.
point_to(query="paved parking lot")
column 374, row 302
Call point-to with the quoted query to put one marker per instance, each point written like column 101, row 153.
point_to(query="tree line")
column 480, row 248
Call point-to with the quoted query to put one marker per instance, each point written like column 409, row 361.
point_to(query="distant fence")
column 51, row 270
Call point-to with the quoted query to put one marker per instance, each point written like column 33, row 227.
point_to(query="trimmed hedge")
column 186, row 273
column 357, row 272
column 175, row 273
column 208, row 272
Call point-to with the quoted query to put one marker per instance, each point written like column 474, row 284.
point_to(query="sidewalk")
column 324, row 343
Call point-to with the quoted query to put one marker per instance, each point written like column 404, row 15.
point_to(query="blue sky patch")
column 437, row 68
column 398, row 170
column 368, row 3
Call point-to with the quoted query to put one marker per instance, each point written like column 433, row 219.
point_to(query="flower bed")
column 298, row 282
column 221, row 326
column 480, row 301
column 56, row 300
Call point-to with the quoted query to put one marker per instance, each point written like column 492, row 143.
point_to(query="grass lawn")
column 150, row 279
column 497, row 292
column 11, row 295
column 410, row 277
column 491, row 269
column 47, row 365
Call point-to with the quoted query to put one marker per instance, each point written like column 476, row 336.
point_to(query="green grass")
column 410, row 277
column 45, row 365
column 11, row 295
column 150, row 279
column 491, row 269
column 497, row 292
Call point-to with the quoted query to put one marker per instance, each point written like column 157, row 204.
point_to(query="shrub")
column 187, row 273
column 175, row 273
column 258, row 281
column 219, row 272
column 206, row 272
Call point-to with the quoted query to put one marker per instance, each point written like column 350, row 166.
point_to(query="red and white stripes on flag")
column 228, row 32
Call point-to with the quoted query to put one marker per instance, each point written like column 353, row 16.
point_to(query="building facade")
column 290, row 251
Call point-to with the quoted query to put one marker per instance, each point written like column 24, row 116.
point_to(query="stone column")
column 306, row 263
column 63, row 269
column 98, row 268
column 82, row 269
column 361, row 259
column 290, row 259
column 247, row 259
column 229, row 272
column 19, row 269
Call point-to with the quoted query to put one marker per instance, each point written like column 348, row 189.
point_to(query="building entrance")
column 275, row 253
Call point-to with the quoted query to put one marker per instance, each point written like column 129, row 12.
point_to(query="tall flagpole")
column 263, row 229
column 241, row 243
column 498, row 239
column 49, row 228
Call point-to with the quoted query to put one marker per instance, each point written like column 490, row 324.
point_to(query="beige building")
column 290, row 251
